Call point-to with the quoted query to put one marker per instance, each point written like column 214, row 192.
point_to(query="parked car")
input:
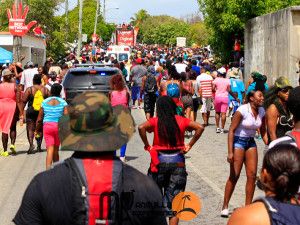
column 88, row 78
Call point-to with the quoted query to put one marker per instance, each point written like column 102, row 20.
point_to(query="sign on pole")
column 17, row 26
column 84, row 37
column 181, row 41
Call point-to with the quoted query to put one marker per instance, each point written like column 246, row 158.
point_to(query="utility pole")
column 95, row 27
column 104, row 11
column 17, row 41
column 79, row 29
column 96, row 16
column 66, row 19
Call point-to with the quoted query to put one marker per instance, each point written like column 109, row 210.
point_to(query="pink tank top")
column 119, row 98
column 7, row 90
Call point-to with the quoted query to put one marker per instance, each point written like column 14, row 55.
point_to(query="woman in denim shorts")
column 242, row 148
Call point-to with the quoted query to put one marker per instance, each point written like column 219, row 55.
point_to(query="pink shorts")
column 221, row 104
column 51, row 134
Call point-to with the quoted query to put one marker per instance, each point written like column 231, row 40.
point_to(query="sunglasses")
column 285, row 90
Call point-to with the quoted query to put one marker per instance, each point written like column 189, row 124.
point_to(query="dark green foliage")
column 226, row 19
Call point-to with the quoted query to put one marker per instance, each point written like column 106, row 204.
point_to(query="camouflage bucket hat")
column 93, row 125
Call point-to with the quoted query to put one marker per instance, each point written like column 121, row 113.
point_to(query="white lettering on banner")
column 125, row 38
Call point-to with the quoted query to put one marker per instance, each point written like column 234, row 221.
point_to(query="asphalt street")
column 206, row 165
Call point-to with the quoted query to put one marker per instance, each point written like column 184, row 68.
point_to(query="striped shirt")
column 52, row 113
column 205, row 83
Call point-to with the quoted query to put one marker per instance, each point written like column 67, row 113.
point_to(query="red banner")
column 125, row 37
column 17, row 26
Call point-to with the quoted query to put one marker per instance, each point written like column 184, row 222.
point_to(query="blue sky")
column 127, row 8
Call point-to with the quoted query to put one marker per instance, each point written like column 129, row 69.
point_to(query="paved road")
column 206, row 166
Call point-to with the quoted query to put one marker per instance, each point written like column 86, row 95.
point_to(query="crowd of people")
column 35, row 96
column 170, row 85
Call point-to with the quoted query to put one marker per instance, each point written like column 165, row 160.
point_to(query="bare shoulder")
column 254, row 214
column 272, row 109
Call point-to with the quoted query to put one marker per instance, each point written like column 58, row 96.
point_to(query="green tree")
column 163, row 30
column 226, row 19
column 3, row 16
column 39, row 10
column 89, row 11
column 139, row 17
column 198, row 34
column 54, row 26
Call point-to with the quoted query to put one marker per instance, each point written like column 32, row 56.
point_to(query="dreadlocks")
column 168, row 128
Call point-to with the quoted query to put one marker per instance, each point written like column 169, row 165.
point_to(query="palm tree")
column 186, row 197
column 139, row 17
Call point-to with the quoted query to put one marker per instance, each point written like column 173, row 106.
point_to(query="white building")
column 33, row 48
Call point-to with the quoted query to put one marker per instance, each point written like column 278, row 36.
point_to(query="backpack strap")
column 72, row 163
column 267, row 204
column 295, row 137
column 79, row 200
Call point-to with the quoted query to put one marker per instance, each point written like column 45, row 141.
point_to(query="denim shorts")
column 135, row 92
column 171, row 180
column 244, row 142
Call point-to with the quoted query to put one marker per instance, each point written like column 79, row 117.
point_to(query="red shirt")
column 38, row 31
column 237, row 47
column 182, row 123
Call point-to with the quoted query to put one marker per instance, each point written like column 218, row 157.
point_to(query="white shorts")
column 207, row 102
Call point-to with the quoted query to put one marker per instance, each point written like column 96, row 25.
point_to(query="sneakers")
column 123, row 159
column 225, row 213
column 39, row 149
column 219, row 131
column 31, row 150
column 4, row 153
column 13, row 149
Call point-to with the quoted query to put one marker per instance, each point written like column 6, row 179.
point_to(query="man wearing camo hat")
column 92, row 187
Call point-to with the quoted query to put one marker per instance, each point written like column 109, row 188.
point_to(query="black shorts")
column 149, row 103
column 196, row 104
column 171, row 181
column 31, row 114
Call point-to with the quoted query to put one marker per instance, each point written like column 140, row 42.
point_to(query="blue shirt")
column 52, row 113
column 237, row 86
column 252, row 87
column 235, row 105
column 196, row 69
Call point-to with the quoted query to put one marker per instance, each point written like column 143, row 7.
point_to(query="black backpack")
column 150, row 84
